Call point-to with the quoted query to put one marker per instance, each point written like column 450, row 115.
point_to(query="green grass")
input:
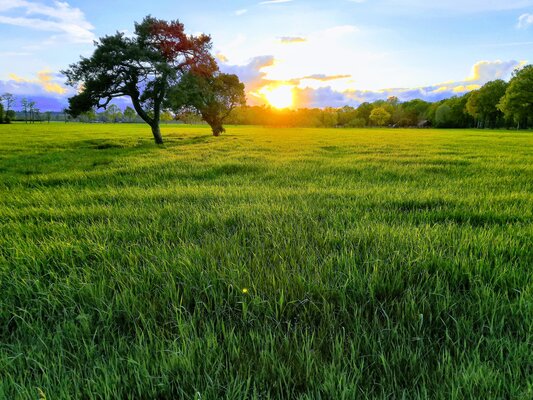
column 392, row 264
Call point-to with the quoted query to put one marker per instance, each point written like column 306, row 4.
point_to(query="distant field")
column 267, row 263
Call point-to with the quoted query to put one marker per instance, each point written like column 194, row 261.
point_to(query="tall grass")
column 268, row 263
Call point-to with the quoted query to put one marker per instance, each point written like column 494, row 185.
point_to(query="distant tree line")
column 29, row 112
column 497, row 104
column 114, row 114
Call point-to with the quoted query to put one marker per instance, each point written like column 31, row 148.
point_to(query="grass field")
column 267, row 263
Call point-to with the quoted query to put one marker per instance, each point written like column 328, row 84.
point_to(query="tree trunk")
column 153, row 122
column 216, row 126
column 156, row 131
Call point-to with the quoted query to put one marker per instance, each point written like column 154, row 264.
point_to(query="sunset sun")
column 279, row 96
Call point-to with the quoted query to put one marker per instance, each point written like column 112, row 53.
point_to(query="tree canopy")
column 380, row 116
column 517, row 103
column 483, row 103
column 214, row 97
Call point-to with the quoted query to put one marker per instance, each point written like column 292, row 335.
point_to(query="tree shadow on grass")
column 75, row 161
column 175, row 139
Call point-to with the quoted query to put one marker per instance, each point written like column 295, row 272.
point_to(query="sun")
column 279, row 96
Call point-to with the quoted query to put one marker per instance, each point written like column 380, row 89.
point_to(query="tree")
column 8, row 100
column 517, row 103
column 10, row 116
column 87, row 116
column 346, row 115
column 328, row 118
column 129, row 114
column 413, row 112
column 143, row 68
column 451, row 113
column 364, row 110
column 473, row 108
column 443, row 116
column 214, row 97
column 393, row 101
column 32, row 110
column 380, row 116
column 37, row 115
column 167, row 116
column 1, row 113
column 113, row 114
column 483, row 103
column 25, row 107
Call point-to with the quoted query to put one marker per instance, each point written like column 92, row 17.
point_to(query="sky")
column 311, row 53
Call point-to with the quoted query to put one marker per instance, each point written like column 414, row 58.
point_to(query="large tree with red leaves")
column 143, row 67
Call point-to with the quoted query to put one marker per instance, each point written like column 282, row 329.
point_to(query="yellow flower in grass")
column 245, row 291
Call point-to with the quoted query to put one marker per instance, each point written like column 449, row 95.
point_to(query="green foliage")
column 89, row 116
column 517, row 104
column 412, row 112
column 346, row 115
column 113, row 114
column 356, row 123
column 380, row 116
column 328, row 118
column 482, row 104
column 142, row 67
column 130, row 114
column 364, row 110
column 6, row 103
column 214, row 97
column 166, row 116
column 443, row 116
column 379, row 263
column 451, row 113
column 10, row 116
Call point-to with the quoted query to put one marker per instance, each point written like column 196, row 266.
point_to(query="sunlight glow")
column 279, row 96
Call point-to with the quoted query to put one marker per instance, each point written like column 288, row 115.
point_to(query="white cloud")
column 241, row 12
column 525, row 20
column 45, row 79
column 484, row 71
column 46, row 89
column 251, row 74
column 68, row 23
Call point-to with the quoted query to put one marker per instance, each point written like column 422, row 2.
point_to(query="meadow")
column 266, row 263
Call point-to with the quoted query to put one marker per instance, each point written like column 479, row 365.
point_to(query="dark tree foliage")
column 346, row 115
column 482, row 104
column 142, row 67
column 214, row 97
column 364, row 110
column 8, row 100
column 450, row 113
column 517, row 103
column 413, row 112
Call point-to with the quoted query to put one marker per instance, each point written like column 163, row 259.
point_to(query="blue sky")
column 331, row 52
